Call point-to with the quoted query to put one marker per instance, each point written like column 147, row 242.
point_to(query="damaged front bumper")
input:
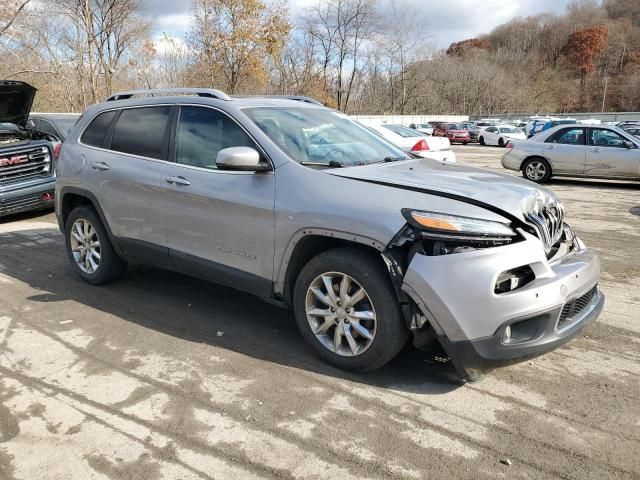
column 481, row 329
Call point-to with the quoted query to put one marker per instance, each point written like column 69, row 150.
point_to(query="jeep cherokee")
column 298, row 204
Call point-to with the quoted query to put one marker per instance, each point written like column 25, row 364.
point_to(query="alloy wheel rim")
column 341, row 314
column 536, row 170
column 85, row 246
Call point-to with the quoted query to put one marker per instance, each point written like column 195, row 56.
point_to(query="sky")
column 445, row 21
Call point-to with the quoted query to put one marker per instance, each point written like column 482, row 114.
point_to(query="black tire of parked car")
column 501, row 142
column 366, row 269
column 111, row 266
column 547, row 175
column 481, row 140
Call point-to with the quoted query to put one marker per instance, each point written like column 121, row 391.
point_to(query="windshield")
column 509, row 130
column 320, row 137
column 403, row 131
column 455, row 126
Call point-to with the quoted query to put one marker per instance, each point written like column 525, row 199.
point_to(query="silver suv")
column 300, row 205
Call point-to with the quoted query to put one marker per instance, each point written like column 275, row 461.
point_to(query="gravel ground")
column 164, row 376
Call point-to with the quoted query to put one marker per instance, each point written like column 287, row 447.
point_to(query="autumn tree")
column 582, row 50
column 461, row 48
column 232, row 38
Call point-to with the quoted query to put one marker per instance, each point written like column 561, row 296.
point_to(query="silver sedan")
column 595, row 151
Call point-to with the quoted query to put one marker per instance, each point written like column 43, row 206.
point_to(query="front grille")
column 548, row 222
column 572, row 309
column 24, row 163
column 22, row 204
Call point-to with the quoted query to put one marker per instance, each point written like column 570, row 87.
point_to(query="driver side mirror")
column 628, row 144
column 245, row 159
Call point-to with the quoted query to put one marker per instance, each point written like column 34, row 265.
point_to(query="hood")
column 16, row 99
column 457, row 132
column 495, row 191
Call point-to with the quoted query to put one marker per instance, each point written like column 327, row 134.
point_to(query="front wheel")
column 481, row 140
column 501, row 143
column 347, row 310
column 537, row 170
column 89, row 249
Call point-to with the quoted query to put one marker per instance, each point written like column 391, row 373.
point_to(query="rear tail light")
column 421, row 146
column 56, row 150
column 509, row 145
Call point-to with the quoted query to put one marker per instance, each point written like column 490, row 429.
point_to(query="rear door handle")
column 180, row 181
column 100, row 166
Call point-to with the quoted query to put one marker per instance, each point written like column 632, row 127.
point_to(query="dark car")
column 472, row 129
column 27, row 178
column 455, row 132
column 57, row 124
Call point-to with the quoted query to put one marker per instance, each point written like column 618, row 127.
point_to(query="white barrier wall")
column 407, row 120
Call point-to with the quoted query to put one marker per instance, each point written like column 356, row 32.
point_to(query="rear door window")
column 95, row 133
column 568, row 136
column 142, row 132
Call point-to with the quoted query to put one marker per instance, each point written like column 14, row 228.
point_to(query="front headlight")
column 453, row 226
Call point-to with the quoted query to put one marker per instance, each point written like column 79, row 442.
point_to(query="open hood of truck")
column 16, row 99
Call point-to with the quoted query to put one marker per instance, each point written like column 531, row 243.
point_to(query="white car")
column 425, row 128
column 500, row 135
column 409, row 140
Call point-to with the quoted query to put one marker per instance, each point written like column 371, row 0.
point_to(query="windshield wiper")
column 331, row 164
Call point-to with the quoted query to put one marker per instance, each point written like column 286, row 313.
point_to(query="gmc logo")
column 14, row 160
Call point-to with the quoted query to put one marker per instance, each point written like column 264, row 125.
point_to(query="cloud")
column 445, row 21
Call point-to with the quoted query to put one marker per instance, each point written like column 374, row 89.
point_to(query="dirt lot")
column 163, row 376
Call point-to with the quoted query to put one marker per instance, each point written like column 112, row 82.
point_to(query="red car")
column 455, row 132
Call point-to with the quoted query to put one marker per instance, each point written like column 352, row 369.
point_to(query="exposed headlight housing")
column 446, row 226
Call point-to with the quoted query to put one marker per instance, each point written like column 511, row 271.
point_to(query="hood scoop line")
column 437, row 193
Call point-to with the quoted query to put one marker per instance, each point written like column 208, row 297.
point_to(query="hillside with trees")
column 360, row 56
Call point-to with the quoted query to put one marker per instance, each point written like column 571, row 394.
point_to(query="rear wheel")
column 89, row 250
column 501, row 142
column 537, row 170
column 481, row 140
column 347, row 309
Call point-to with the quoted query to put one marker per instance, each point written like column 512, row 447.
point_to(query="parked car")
column 578, row 151
column 542, row 125
column 482, row 125
column 455, row 132
column 425, row 128
column 27, row 177
column 368, row 244
column 472, row 129
column 500, row 135
column 635, row 131
column 410, row 140
column 56, row 124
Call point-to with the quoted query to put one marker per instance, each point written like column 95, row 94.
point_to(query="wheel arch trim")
column 69, row 190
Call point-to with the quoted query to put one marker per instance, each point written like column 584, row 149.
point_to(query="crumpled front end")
column 493, row 306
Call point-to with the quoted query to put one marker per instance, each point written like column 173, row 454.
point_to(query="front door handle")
column 100, row 166
column 180, row 181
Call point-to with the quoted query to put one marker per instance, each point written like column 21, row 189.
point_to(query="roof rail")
column 301, row 98
column 201, row 92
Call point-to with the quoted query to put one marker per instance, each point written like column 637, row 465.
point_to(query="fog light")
column 506, row 336
column 513, row 279
column 47, row 197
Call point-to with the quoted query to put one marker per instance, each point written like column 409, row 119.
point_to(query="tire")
column 481, row 140
column 465, row 143
column 388, row 331
column 501, row 143
column 537, row 170
column 109, row 266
